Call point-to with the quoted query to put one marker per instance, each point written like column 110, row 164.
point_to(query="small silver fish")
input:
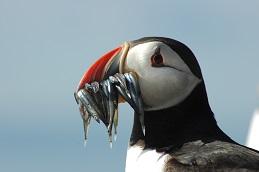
column 123, row 85
column 88, row 102
column 99, row 100
column 136, row 95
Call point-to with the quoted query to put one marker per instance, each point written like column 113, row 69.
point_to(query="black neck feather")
column 190, row 120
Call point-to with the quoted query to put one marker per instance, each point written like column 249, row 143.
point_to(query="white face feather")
column 161, row 87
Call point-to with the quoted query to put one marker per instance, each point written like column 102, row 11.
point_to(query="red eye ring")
column 157, row 60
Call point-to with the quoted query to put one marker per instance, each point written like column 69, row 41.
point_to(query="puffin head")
column 166, row 69
column 176, row 107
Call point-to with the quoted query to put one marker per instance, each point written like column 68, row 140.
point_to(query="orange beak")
column 107, row 65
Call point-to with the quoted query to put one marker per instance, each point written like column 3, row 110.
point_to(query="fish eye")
column 157, row 60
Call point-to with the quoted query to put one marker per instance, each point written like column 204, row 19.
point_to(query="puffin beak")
column 107, row 65
column 103, row 86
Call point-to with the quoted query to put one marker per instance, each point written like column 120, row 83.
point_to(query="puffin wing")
column 212, row 156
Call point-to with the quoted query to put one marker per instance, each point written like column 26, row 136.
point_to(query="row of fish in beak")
column 99, row 100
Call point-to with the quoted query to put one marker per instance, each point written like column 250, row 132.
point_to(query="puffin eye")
column 157, row 60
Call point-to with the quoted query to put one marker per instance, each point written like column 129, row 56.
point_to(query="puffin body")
column 181, row 133
column 141, row 159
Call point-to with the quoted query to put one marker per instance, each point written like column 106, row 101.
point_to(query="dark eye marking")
column 157, row 59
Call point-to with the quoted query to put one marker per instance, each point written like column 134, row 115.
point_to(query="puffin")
column 181, row 133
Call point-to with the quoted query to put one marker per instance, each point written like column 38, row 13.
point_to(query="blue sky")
column 45, row 46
